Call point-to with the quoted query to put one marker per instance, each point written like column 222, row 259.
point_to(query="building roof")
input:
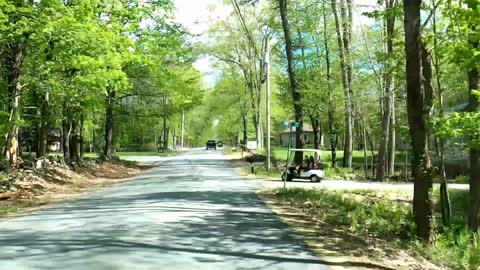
column 306, row 128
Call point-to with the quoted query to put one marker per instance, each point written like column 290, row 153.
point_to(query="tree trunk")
column 245, row 130
column 392, row 140
column 108, row 150
column 385, row 135
column 293, row 80
column 174, row 138
column 74, row 142
column 331, row 108
column 474, row 209
column 348, row 145
column 165, row 135
column 445, row 205
column 316, row 132
column 66, row 130
column 382, row 160
column 347, row 19
column 42, row 129
column 81, row 137
column 13, row 64
column 417, row 111
column 365, row 159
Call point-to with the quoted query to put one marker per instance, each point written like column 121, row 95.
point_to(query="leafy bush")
column 462, row 179
column 148, row 147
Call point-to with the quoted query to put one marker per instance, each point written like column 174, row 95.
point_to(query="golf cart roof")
column 306, row 150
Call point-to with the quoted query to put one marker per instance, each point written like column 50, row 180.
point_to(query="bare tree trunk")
column 440, row 142
column 365, row 159
column 81, row 137
column 13, row 65
column 42, row 132
column 316, row 132
column 74, row 142
column 293, row 80
column 260, row 137
column 348, row 145
column 331, row 110
column 474, row 208
column 347, row 19
column 418, row 111
column 392, row 140
column 244, row 131
column 165, row 135
column 108, row 150
column 382, row 159
column 66, row 131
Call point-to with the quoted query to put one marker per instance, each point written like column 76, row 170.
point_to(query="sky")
column 198, row 15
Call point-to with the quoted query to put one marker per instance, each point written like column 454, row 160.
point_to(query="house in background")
column 54, row 141
column 307, row 135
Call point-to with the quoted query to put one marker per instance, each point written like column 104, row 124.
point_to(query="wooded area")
column 97, row 76
column 382, row 78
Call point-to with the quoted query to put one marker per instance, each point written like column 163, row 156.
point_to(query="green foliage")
column 75, row 55
column 460, row 125
column 363, row 213
column 370, row 214
column 462, row 179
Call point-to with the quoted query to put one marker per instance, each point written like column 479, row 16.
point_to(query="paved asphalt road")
column 191, row 212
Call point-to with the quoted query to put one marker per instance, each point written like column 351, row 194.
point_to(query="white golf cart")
column 309, row 169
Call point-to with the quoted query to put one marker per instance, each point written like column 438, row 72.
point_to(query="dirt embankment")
column 51, row 180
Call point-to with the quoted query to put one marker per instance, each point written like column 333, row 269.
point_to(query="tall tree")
column 343, row 28
column 331, row 108
column 418, row 102
column 474, row 87
column 386, row 137
column 293, row 79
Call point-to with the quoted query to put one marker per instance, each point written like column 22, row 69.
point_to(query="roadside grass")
column 368, row 213
column 280, row 153
column 119, row 154
column 18, row 206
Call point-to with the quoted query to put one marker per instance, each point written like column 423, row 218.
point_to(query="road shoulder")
column 339, row 248
column 33, row 190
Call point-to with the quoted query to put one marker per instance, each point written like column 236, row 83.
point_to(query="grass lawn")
column 136, row 154
column 280, row 153
column 120, row 154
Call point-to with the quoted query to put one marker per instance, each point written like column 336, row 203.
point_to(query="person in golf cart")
column 307, row 164
column 309, row 168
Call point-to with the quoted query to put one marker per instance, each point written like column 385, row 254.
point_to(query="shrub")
column 462, row 179
column 148, row 147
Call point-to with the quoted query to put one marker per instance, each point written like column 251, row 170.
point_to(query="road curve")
column 191, row 212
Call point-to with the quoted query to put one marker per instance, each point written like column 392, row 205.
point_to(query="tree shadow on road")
column 214, row 224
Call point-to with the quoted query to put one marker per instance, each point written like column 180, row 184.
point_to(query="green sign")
column 296, row 124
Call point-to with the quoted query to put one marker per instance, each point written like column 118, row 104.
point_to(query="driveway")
column 191, row 212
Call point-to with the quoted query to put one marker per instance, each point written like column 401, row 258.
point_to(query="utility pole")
column 267, row 86
column 183, row 129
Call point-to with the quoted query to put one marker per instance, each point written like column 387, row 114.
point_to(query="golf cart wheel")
column 315, row 178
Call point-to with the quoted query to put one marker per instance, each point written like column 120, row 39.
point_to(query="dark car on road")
column 211, row 144
column 220, row 144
